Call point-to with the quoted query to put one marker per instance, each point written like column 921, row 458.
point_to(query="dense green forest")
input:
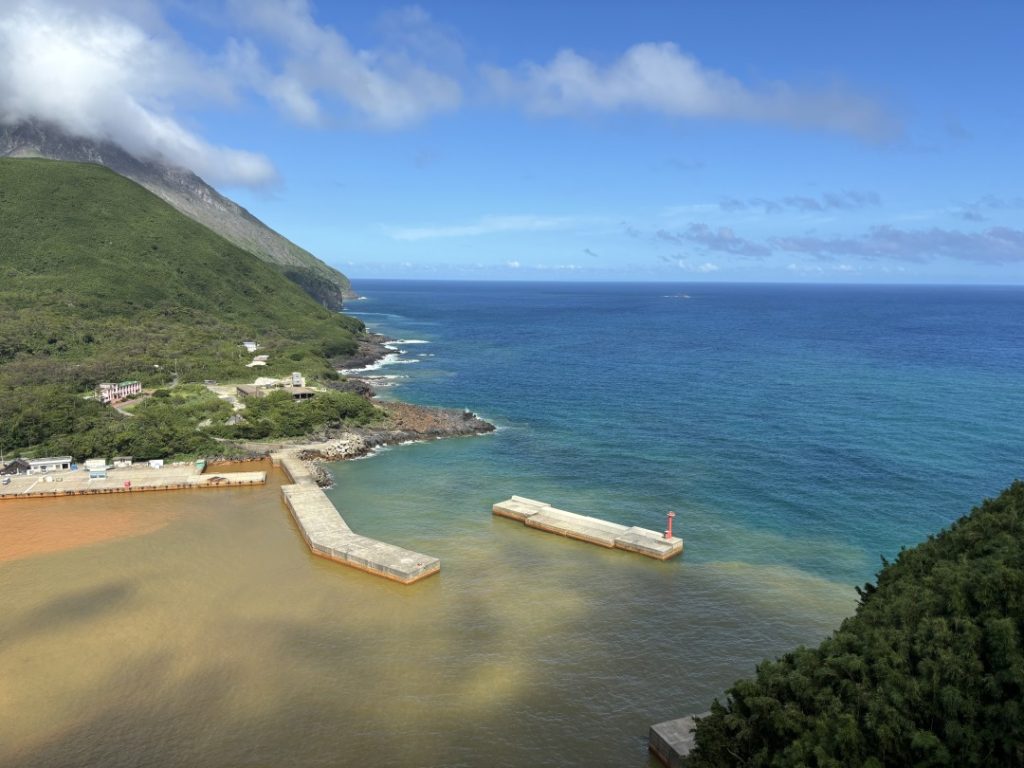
column 102, row 281
column 928, row 672
column 192, row 420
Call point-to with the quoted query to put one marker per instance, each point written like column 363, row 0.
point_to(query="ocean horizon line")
column 737, row 283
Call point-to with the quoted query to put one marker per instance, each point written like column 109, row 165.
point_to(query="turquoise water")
column 813, row 428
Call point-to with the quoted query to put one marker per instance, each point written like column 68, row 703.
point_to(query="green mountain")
column 191, row 196
column 928, row 672
column 100, row 280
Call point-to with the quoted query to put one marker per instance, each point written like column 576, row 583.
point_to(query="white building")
column 112, row 393
column 49, row 464
column 250, row 346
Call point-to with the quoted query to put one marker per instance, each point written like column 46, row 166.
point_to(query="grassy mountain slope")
column 102, row 281
column 929, row 672
column 191, row 196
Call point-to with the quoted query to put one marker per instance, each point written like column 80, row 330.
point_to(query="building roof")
column 52, row 460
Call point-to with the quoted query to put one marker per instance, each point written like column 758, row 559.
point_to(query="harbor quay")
column 137, row 478
column 544, row 517
column 328, row 535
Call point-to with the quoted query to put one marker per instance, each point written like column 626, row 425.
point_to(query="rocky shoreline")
column 403, row 422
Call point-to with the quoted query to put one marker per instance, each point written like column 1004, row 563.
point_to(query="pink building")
column 112, row 393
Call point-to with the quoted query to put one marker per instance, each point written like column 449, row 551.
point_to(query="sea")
column 800, row 434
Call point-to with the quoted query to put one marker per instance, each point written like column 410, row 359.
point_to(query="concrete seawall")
column 327, row 534
column 124, row 481
column 544, row 517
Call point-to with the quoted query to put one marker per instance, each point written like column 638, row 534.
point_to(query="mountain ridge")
column 190, row 195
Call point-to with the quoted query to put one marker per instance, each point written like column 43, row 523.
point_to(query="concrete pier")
column 124, row 480
column 544, row 517
column 672, row 741
column 328, row 535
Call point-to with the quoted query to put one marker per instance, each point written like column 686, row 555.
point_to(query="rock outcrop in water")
column 404, row 422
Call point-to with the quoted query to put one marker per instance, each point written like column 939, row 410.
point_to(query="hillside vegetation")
column 102, row 281
column 928, row 672
column 190, row 195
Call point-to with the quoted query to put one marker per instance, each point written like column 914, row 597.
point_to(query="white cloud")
column 99, row 74
column 661, row 78
column 115, row 70
column 705, row 268
column 389, row 87
column 513, row 264
column 487, row 225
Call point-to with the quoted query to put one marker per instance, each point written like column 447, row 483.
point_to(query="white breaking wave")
column 393, row 359
column 372, row 452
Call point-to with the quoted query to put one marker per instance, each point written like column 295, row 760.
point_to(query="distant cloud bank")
column 994, row 246
column 486, row 225
column 847, row 200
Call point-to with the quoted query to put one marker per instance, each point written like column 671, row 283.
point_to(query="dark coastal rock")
column 427, row 422
column 356, row 386
column 370, row 350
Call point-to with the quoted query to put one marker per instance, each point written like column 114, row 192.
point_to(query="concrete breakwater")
column 125, row 480
column 544, row 517
column 672, row 741
column 327, row 534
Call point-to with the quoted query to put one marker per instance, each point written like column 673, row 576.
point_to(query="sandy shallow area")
column 31, row 527
column 34, row 528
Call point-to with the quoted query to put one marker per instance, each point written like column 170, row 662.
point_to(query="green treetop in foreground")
column 928, row 672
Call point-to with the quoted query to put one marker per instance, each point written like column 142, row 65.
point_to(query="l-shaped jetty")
column 544, row 517
column 328, row 535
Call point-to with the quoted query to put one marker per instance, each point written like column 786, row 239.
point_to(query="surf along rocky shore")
column 403, row 422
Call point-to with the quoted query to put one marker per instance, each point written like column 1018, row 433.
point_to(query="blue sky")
column 824, row 142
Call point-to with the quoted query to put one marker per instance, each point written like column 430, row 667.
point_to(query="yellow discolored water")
column 194, row 628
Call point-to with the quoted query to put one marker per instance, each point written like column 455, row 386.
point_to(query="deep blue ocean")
column 800, row 433
column 817, row 427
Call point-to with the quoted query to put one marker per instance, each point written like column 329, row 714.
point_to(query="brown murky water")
column 195, row 629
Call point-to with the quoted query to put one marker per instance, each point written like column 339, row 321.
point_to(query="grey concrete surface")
column 544, row 517
column 328, row 535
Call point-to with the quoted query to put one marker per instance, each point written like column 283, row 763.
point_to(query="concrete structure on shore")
column 672, row 741
column 133, row 480
column 544, row 517
column 50, row 464
column 114, row 393
column 328, row 535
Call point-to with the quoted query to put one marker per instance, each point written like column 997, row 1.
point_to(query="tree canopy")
column 928, row 672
